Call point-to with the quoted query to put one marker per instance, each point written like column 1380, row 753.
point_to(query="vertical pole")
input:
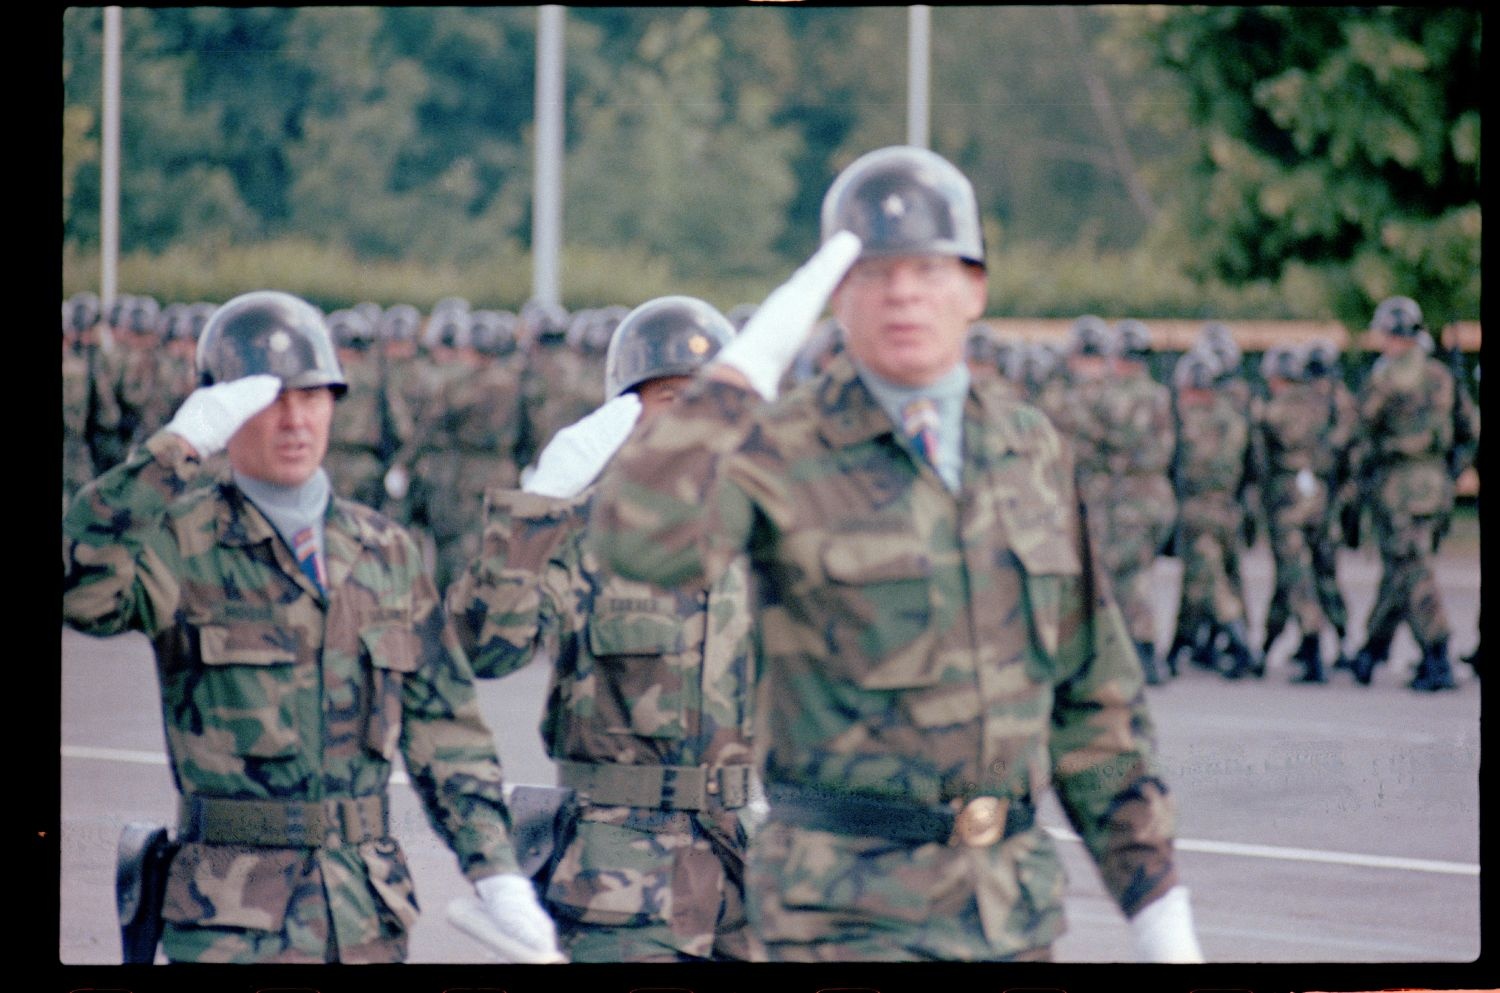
column 109, row 160
column 919, row 29
column 546, row 211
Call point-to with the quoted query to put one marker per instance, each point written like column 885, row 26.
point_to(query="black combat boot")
column 1434, row 673
column 1180, row 643
column 1310, row 654
column 1240, row 661
column 1472, row 661
column 1147, row 653
column 1342, row 661
column 1373, row 654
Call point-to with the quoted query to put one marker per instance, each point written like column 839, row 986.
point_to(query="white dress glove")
column 211, row 415
column 576, row 454
column 510, row 920
column 768, row 343
column 1163, row 931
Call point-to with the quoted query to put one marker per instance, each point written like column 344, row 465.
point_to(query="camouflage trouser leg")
column 1326, row 580
column 1294, row 594
column 1408, row 589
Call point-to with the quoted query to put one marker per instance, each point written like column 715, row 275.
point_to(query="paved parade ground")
column 1318, row 824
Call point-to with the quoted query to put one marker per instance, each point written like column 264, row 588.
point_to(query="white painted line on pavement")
column 1307, row 855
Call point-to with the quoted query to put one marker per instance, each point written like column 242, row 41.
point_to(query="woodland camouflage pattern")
column 916, row 646
column 1213, row 443
column 269, row 690
column 640, row 676
column 1126, row 437
column 1291, row 426
column 1408, row 431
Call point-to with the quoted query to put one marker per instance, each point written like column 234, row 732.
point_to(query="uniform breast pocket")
column 1052, row 571
column 640, row 649
column 391, row 650
column 246, row 696
column 880, row 616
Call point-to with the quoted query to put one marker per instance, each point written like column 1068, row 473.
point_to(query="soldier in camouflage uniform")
column 1216, row 338
column 294, row 667
column 1132, row 509
column 368, row 419
column 649, row 712
column 1288, row 435
column 467, row 439
column 560, row 384
column 1213, row 439
column 1419, row 431
column 1320, row 365
column 937, row 646
column 80, row 312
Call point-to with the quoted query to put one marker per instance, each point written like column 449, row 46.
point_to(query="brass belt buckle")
column 980, row 823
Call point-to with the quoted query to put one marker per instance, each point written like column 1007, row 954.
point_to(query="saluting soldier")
column 938, row 647
column 300, row 649
column 649, row 712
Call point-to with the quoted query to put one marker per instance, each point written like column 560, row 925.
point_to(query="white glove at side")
column 513, row 922
column 576, row 454
column 768, row 343
column 211, row 415
column 1163, row 930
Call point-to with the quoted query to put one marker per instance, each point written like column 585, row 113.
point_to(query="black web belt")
column 978, row 821
column 327, row 823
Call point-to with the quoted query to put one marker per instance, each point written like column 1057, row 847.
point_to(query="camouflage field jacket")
column 916, row 644
column 272, row 690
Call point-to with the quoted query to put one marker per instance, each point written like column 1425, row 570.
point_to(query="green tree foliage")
column 1331, row 147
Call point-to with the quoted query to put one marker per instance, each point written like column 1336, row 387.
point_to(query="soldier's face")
column 907, row 318
column 657, row 393
column 285, row 443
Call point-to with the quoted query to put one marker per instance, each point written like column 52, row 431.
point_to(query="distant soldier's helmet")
column 400, row 323
column 268, row 331
column 142, row 314
column 493, row 332
column 1321, row 358
column 667, row 336
column 1281, row 362
column 1220, row 340
column 1089, row 335
column 1399, row 316
column 451, row 328
column 197, row 319
column 170, row 320
column 1197, row 369
column 81, row 311
column 545, row 321
column 905, row 200
column 351, row 328
column 984, row 346
column 1132, row 339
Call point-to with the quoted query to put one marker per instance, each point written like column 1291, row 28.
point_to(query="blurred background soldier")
column 649, row 711
column 1289, row 433
column 937, row 644
column 1233, row 381
column 143, row 395
column 559, row 385
column 1040, row 370
column 468, row 437
column 1130, row 502
column 355, row 463
column 300, row 651
column 986, row 352
column 80, row 313
column 1418, row 433
column 1322, row 370
column 1213, row 437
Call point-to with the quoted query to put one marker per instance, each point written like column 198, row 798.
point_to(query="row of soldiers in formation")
column 447, row 405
